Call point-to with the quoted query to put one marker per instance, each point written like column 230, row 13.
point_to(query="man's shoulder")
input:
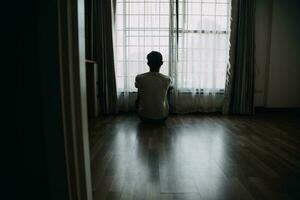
column 148, row 74
column 141, row 75
column 165, row 76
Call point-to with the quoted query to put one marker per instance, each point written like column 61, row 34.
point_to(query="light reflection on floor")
column 177, row 161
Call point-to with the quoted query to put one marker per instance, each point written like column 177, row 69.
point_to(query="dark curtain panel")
column 239, row 91
column 88, row 8
column 103, row 53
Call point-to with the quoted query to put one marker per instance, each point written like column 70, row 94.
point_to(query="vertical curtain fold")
column 239, row 91
column 104, row 54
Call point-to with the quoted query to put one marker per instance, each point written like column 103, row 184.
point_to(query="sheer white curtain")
column 203, row 50
column 141, row 27
column 192, row 34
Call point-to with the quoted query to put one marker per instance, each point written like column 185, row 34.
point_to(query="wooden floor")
column 209, row 157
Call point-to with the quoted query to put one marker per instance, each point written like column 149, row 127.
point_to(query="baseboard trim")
column 291, row 110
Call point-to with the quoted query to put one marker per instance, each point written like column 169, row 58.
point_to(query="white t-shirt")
column 153, row 88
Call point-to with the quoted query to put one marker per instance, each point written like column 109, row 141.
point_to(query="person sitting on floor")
column 152, row 103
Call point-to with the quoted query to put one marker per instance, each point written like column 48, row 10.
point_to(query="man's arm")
column 170, row 86
column 138, row 95
column 136, row 84
column 169, row 96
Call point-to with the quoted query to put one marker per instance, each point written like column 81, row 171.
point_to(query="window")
column 203, row 44
column 141, row 26
column 201, row 30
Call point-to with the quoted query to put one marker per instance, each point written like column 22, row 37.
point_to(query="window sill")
column 200, row 92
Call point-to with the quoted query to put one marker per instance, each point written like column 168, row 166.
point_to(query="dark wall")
column 277, row 54
column 36, row 162
column 284, row 73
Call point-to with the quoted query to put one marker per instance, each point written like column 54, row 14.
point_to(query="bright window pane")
column 203, row 46
column 142, row 27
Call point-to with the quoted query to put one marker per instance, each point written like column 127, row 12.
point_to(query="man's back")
column 153, row 88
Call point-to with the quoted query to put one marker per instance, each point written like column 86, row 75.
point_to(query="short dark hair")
column 154, row 59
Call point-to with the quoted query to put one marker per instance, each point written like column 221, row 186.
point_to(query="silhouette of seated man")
column 152, row 103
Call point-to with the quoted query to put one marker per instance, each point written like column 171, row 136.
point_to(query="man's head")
column 154, row 60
